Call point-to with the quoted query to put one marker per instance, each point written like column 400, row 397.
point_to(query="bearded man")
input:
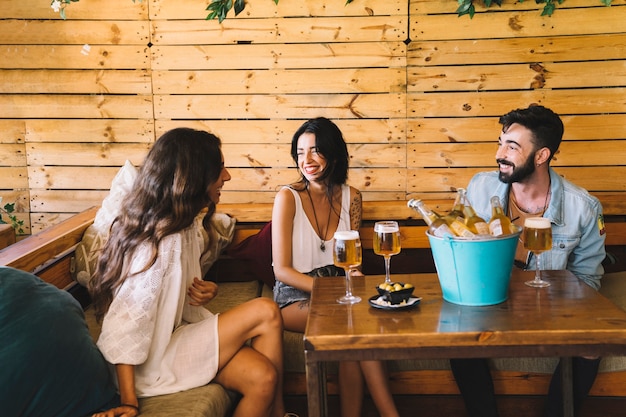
column 528, row 187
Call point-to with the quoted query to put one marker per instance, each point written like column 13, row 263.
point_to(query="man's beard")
column 519, row 173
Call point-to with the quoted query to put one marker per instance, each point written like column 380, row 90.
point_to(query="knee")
column 262, row 377
column 268, row 310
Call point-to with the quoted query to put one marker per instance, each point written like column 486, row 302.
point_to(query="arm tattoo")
column 356, row 211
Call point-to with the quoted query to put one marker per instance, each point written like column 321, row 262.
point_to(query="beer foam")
column 385, row 228
column 347, row 235
column 537, row 223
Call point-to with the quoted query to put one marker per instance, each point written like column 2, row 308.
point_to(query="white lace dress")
column 150, row 323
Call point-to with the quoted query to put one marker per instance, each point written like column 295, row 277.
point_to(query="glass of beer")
column 537, row 236
column 386, row 242
column 347, row 254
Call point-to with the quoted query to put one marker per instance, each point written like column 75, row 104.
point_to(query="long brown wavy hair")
column 172, row 188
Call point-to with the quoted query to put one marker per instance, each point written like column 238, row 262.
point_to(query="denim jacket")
column 578, row 233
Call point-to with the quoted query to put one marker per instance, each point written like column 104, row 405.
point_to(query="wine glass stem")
column 348, row 283
column 537, row 268
column 387, row 274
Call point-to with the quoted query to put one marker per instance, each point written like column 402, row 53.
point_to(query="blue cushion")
column 50, row 364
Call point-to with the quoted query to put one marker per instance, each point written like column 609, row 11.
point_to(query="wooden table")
column 564, row 320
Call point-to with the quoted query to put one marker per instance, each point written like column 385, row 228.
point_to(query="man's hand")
column 201, row 292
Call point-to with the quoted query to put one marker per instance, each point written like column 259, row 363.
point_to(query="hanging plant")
column 220, row 8
column 467, row 6
column 8, row 209
column 217, row 8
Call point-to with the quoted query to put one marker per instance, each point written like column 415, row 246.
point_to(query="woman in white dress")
column 149, row 293
column 305, row 217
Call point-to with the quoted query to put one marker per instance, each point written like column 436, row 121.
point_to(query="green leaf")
column 222, row 14
column 239, row 6
column 464, row 7
column 548, row 9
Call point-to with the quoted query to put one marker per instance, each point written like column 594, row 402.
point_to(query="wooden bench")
column 49, row 255
column 7, row 235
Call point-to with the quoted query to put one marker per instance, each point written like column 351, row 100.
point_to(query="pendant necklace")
column 530, row 212
column 319, row 230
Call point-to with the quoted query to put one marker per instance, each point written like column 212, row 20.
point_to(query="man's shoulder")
column 486, row 174
column 576, row 192
column 484, row 177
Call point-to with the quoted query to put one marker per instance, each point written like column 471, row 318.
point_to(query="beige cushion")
column 95, row 236
column 231, row 294
column 210, row 400
column 613, row 287
column 88, row 250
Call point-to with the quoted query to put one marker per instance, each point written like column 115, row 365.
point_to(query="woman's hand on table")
column 201, row 292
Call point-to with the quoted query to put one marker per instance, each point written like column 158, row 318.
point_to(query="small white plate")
column 377, row 301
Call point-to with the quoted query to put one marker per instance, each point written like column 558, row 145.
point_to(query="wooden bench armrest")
column 39, row 249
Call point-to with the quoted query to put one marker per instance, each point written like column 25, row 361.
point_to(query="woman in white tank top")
column 305, row 217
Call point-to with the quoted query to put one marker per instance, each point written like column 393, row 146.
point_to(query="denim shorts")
column 285, row 295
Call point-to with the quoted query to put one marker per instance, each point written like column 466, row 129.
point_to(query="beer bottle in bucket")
column 473, row 221
column 437, row 226
column 499, row 224
column 457, row 208
column 455, row 218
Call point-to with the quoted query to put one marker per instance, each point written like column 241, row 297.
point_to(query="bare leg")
column 295, row 316
column 378, row 385
column 351, row 373
column 350, row 388
column 350, row 376
column 259, row 320
column 252, row 375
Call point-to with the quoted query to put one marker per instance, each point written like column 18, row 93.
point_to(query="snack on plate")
column 395, row 292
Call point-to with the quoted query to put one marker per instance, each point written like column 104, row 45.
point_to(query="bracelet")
column 131, row 406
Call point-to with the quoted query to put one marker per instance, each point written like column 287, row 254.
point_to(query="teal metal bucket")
column 474, row 272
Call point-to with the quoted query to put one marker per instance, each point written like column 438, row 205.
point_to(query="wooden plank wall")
column 74, row 116
column 254, row 79
column 462, row 74
column 416, row 90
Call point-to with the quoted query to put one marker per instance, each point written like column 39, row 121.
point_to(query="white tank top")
column 305, row 248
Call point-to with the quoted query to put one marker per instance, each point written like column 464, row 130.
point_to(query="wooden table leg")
column 316, row 387
column 567, row 381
